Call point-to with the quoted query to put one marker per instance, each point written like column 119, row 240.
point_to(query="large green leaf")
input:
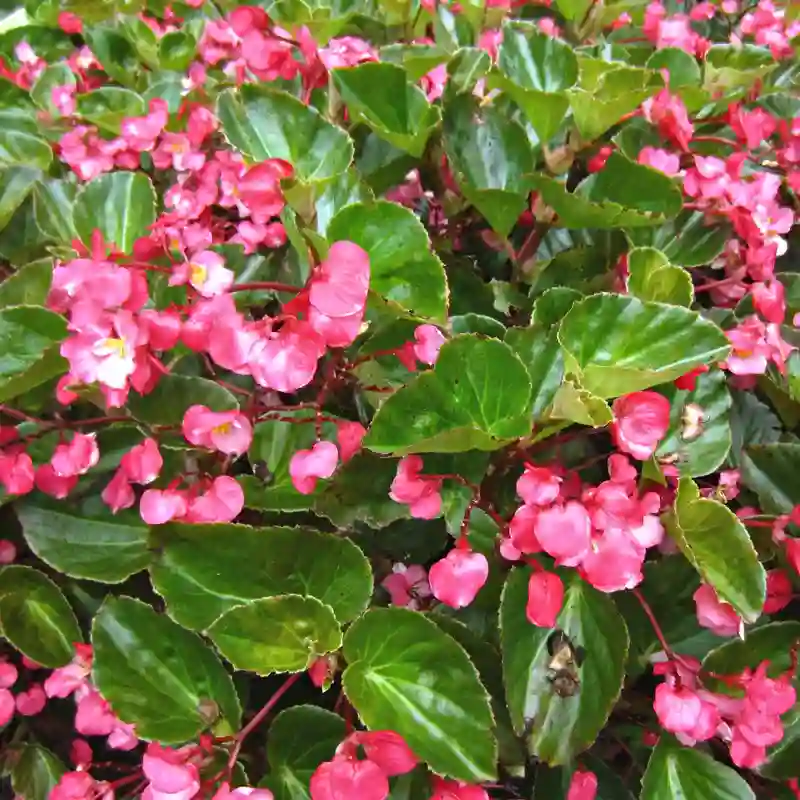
column 490, row 155
column 285, row 633
column 24, row 148
column 771, row 471
column 703, row 453
column 618, row 344
column 772, row 642
column 687, row 241
column 477, row 397
column 266, row 123
column 157, row 675
column 100, row 547
column 293, row 755
column 36, row 618
column 381, row 96
column 402, row 267
column 561, row 727
column 406, row 675
column 534, row 70
column 121, row 205
column 35, row 771
column 167, row 403
column 714, row 540
column 652, row 277
column 52, row 209
column 540, row 353
column 683, row 772
column 16, row 183
column 108, row 106
column 203, row 571
column 29, row 285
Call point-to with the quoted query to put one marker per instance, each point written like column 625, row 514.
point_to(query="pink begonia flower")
column 76, row 457
column 421, row 494
column 346, row 51
column 458, row 577
column 538, row 486
column 407, row 585
column 80, row 786
column 287, row 360
column 388, row 750
column 63, row 681
column 582, row 786
column 7, row 707
column 63, row 98
column 8, row 675
column 751, row 127
column 522, row 530
column 641, row 419
column 159, row 506
column 456, row 790
column 545, row 598
column 241, row 793
column 750, row 354
column 688, row 382
column 346, row 779
column 259, row 189
column 170, row 775
column 716, row 615
column 93, row 715
column 428, row 340
column 668, row 113
column 49, row 482
column 80, row 753
column 29, row 703
column 307, row 466
column 779, row 591
column 8, row 551
column 122, row 737
column 564, row 532
column 223, row 502
column 227, row 431
column 163, row 328
column 16, row 473
column 614, row 562
column 349, row 435
column 69, row 23
column 769, row 300
column 668, row 163
column 322, row 670
column 142, row 463
column 679, row 709
column 118, row 492
column 140, row 133
column 206, row 272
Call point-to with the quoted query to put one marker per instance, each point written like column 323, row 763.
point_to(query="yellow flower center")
column 198, row 273
column 115, row 347
column 223, row 429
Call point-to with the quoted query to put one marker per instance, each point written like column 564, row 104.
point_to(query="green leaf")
column 772, row 642
column 687, row 241
column 36, row 618
column 561, row 727
column 176, row 50
column 276, row 634
column 534, row 70
column 402, row 267
column 540, row 353
column 203, row 571
column 115, row 53
column 293, row 755
column 108, row 106
column 617, row 344
column 101, row 547
column 783, row 757
column 167, row 403
column 652, row 277
column 490, row 156
column 771, row 471
column 477, row 397
column 717, row 544
column 157, row 675
column 53, row 201
column 683, row 68
column 573, row 10
column 121, row 205
column 29, row 339
column 467, row 66
column 35, row 771
column 406, row 675
column 704, row 453
column 21, row 147
column 28, row 286
column 266, row 123
column 575, row 404
column 42, row 91
column 16, row 183
column 381, row 96
column 416, row 60
column 675, row 771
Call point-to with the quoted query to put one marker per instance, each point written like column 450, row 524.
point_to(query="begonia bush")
column 399, row 399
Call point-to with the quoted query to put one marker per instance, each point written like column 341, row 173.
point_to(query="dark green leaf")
column 115, row 53
column 540, row 353
column 27, row 286
column 687, row 241
column 16, row 183
column 772, row 642
column 36, row 618
column 35, row 772
column 683, row 68
column 652, row 277
column 157, row 675
column 52, row 209
column 562, row 727
column 771, row 471
column 42, row 91
column 108, row 106
column 167, row 403
column 276, row 634
column 406, row 675
column 176, row 50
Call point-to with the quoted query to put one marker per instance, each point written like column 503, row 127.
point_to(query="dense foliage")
column 399, row 398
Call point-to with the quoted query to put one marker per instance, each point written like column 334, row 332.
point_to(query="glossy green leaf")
column 293, row 755
column 682, row 67
column 490, row 156
column 28, row 286
column 575, row 404
column 202, row 571
column 23, row 148
column 157, row 675
column 617, row 344
column 266, row 123
column 686, row 241
column 51, row 77
column 108, row 106
column 35, row 771
column 52, row 209
column 167, row 403
column 176, row 50
column 381, row 96
column 402, row 267
column 121, row 205
column 783, row 757
column 675, row 771
column 100, row 547
column 534, row 70
column 36, row 617
column 711, row 536
column 416, row 60
column 16, row 183
column 771, row 471
column 652, row 277
column 772, row 642
column 406, row 675
column 29, row 340
column 701, row 451
column 276, row 634
column 540, row 353
column 477, row 397
column 573, row 10
column 115, row 53
column 467, row 66
column 561, row 727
